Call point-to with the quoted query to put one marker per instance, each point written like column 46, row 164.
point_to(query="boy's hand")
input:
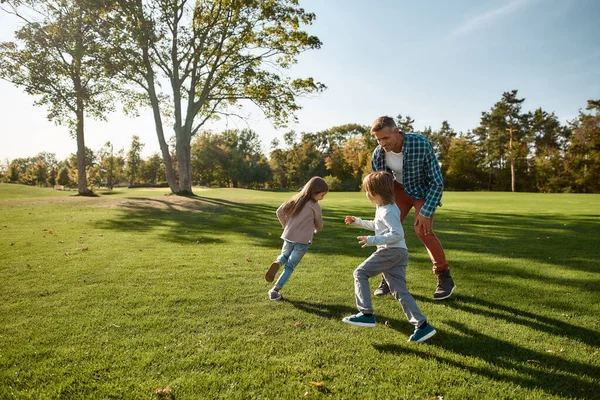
column 362, row 240
column 349, row 220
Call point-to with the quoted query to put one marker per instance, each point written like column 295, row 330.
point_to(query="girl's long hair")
column 314, row 186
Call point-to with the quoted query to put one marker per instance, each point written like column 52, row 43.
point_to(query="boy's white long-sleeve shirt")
column 387, row 227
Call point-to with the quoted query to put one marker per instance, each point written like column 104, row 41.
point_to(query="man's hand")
column 362, row 240
column 349, row 220
column 423, row 224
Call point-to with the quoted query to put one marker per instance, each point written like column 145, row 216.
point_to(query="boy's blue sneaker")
column 422, row 334
column 360, row 320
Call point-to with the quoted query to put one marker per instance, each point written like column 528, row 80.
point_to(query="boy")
column 390, row 258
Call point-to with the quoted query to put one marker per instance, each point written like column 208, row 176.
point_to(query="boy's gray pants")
column 391, row 262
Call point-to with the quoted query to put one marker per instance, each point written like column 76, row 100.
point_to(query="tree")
column 461, row 167
column 583, row 158
column 214, row 54
column 152, row 169
column 55, row 58
column 134, row 160
column 209, row 159
column 549, row 140
column 64, row 178
column 503, row 135
column 405, row 124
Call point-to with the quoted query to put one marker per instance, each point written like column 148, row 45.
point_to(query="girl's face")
column 374, row 198
column 319, row 196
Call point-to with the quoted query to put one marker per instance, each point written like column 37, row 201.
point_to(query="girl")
column 390, row 258
column 300, row 218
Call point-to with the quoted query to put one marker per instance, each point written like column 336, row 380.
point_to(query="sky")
column 435, row 60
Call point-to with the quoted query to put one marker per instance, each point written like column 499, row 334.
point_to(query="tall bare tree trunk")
column 164, row 147
column 184, row 161
column 81, row 173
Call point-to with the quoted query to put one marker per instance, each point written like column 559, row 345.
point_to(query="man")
column 418, row 183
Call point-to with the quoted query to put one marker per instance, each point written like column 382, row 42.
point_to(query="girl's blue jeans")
column 291, row 254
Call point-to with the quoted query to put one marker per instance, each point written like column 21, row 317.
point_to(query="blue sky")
column 434, row 60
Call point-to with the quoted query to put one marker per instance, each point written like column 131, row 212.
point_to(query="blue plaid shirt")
column 421, row 173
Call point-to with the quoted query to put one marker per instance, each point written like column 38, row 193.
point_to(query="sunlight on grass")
column 118, row 295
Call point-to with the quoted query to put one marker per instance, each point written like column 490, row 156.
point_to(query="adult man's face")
column 389, row 139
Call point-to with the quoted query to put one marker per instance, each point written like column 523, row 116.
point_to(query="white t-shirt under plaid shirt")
column 421, row 172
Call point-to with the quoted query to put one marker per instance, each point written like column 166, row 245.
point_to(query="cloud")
column 486, row 19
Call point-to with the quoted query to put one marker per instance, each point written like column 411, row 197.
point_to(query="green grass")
column 117, row 295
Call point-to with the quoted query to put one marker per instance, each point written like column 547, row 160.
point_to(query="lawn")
column 136, row 294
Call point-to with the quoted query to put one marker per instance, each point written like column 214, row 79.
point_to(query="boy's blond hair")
column 380, row 183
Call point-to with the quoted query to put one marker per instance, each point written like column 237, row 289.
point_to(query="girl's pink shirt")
column 301, row 227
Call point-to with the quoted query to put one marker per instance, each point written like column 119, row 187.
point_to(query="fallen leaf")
column 139, row 249
column 248, row 259
column 28, row 243
column 317, row 384
column 298, row 324
column 66, row 254
column 166, row 390
column 84, row 249
column 533, row 361
column 269, row 233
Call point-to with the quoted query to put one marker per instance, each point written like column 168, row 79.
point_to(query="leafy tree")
column 64, row 178
column 405, row 124
column 503, row 137
column 37, row 174
column 152, row 169
column 214, row 54
column 583, row 158
column 209, row 159
column 462, row 166
column 550, row 138
column 13, row 173
column 55, row 58
column 134, row 160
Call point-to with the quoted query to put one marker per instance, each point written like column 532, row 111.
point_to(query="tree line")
column 510, row 150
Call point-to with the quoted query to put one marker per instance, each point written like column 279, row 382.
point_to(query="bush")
column 335, row 184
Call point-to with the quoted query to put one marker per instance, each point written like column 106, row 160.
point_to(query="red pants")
column 431, row 242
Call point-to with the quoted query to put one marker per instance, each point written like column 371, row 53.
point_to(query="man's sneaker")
column 360, row 320
column 272, row 271
column 275, row 295
column 382, row 289
column 445, row 285
column 422, row 334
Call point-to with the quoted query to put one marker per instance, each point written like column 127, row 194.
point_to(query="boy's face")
column 388, row 138
column 374, row 199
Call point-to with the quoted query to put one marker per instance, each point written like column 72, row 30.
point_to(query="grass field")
column 133, row 292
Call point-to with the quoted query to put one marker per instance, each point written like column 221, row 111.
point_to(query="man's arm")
column 435, row 183
column 378, row 160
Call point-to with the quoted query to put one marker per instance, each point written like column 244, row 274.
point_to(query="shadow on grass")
column 478, row 306
column 508, row 362
column 555, row 240
column 338, row 311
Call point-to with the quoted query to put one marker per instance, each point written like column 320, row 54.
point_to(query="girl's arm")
column 318, row 218
column 281, row 216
